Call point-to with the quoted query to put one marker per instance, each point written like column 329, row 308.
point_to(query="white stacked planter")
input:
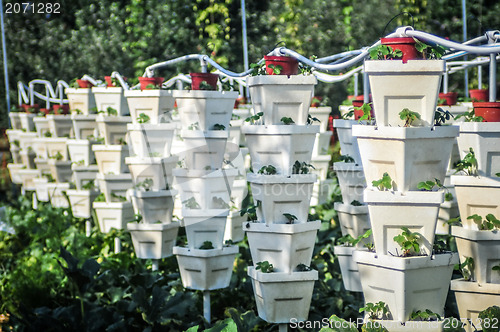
column 409, row 156
column 151, row 165
column 321, row 157
column 478, row 195
column 272, row 238
column 113, row 176
column 205, row 188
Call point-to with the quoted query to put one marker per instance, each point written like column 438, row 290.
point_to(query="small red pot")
column 84, row 84
column 290, row 65
column 45, row 110
column 490, row 111
column 479, row 94
column 405, row 44
column 145, row 81
column 316, row 103
column 29, row 108
column 450, row 97
column 109, row 83
column 357, row 112
column 60, row 109
column 197, row 78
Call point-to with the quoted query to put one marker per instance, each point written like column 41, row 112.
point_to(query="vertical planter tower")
column 205, row 187
column 151, row 164
column 282, row 235
column 113, row 206
column 409, row 155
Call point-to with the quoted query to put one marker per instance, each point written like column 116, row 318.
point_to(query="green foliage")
column 375, row 310
column 384, row 52
column 58, row 156
column 145, row 185
column 47, row 134
column 409, row 242
column 385, row 183
column 100, row 198
column 344, row 326
column 312, row 119
column 90, row 185
column 204, row 85
column 426, row 315
column 287, row 121
column 487, row 224
column 219, row 203
column 290, row 217
column 118, row 198
column 301, row 167
column 257, row 69
column 466, row 267
column 356, row 203
column 468, row 164
column 218, row 126
column 276, row 69
column 194, row 126
column 264, row 266
column 470, row 117
column 409, row 116
column 441, row 116
column 430, row 51
column 143, row 118
column 110, row 111
column 254, row 118
column 191, row 203
column 367, row 113
column 349, row 241
column 490, row 319
column 430, row 185
column 268, row 170
column 303, row 268
column 207, row 245
column 347, row 158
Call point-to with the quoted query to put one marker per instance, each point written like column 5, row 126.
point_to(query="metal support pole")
column 88, row 228
column 479, row 77
column 244, row 35
column 493, row 78
column 366, row 88
column 5, row 66
column 356, row 87
column 445, row 81
column 118, row 245
column 283, row 327
column 206, row 306
column 464, row 34
column 156, row 265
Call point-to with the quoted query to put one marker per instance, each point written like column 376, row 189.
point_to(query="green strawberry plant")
column 287, row 120
column 441, row 116
column 385, row 183
column 290, row 217
column 409, row 116
column 384, row 52
column 468, row 164
column 377, row 310
column 218, row 126
column 143, row 118
column 268, row 170
column 191, row 203
column 466, row 267
column 430, row 185
column 207, row 245
column 425, row 316
column 254, row 118
column 487, row 224
column 470, row 117
column 276, row 69
column 301, row 167
column 408, row 241
column 265, row 267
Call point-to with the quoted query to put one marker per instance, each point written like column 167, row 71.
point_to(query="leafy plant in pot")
column 480, row 95
column 210, row 80
column 489, row 111
column 362, row 111
column 80, row 84
column 112, row 82
column 447, row 99
column 150, row 83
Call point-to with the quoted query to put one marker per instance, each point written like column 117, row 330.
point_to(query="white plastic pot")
column 206, row 269
column 204, row 149
column 60, row 125
column 321, row 166
column 42, row 165
column 56, row 194
column 113, row 215
column 154, row 206
column 279, row 96
column 484, row 139
column 110, row 97
column 323, row 115
column 447, row 211
column 205, row 186
column 116, row 184
column 322, row 143
column 81, row 99
column 153, row 241
column 348, row 143
column 55, row 146
column 406, row 284
column 26, row 140
column 275, row 195
column 83, row 175
column 27, row 176
column 284, row 246
column 351, row 181
column 111, row 158
column 484, row 248
column 239, row 192
column 41, row 190
column 409, row 155
column 151, row 140
column 476, row 195
column 279, row 145
column 41, row 125
column 84, row 126
column 27, row 121
column 156, row 104
column 60, row 170
column 391, row 210
column 472, row 298
column 14, row 172
column 81, row 202
column 81, row 150
column 204, row 225
column 15, row 153
column 354, row 220
column 348, row 268
column 15, row 121
column 396, row 85
column 157, row 169
column 272, row 290
column 112, row 128
column 234, row 230
column 205, row 108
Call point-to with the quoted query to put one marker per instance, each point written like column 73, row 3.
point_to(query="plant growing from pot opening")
column 385, row 183
column 384, row 52
column 143, row 118
column 251, row 211
column 100, row 198
column 119, row 198
column 374, row 311
column 265, row 267
column 425, row 316
column 144, row 185
column 207, row 245
column 110, row 111
column 441, row 116
column 436, row 184
column 204, row 85
column 348, row 115
column 219, row 203
column 470, row 117
column 301, row 167
column 347, row 158
column 194, row 126
column 268, row 170
column 303, row 268
column 257, row 69
column 409, row 117
column 90, row 185
column 367, row 114
column 311, row 119
column 356, row 203
column 58, row 156
column 219, row 126
column 487, row 224
column 408, row 241
column 468, row 164
column 121, row 141
column 47, row 134
column 254, row 118
column 349, row 241
column 431, row 52
column 290, row 217
column 191, row 203
column 466, row 268
column 287, row 120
